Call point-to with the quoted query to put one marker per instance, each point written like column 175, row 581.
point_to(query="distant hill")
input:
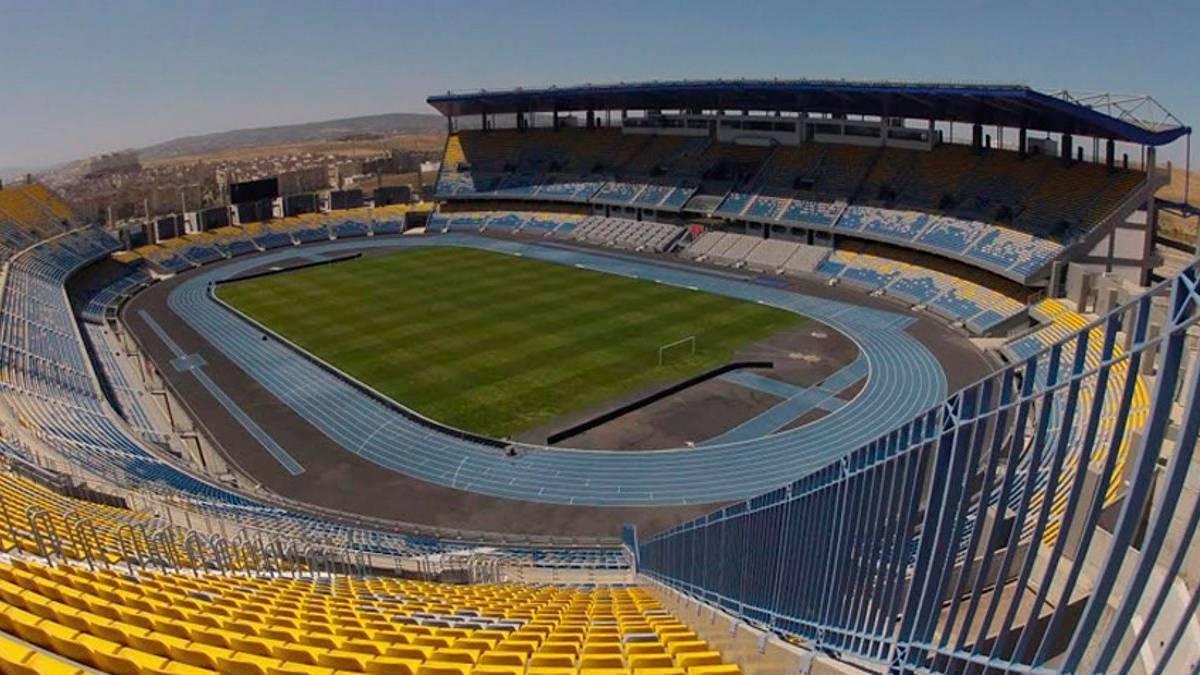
column 330, row 130
column 1171, row 226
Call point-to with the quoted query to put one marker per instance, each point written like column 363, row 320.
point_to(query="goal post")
column 688, row 343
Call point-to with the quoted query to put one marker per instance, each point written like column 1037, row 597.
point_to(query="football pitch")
column 498, row 344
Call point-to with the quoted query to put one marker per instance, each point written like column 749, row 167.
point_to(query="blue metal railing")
column 1036, row 521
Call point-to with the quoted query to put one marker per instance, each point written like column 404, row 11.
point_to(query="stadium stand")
column 529, row 223
column 991, row 209
column 735, row 254
column 180, row 254
column 979, row 308
column 624, row 233
column 347, row 229
column 162, row 622
column 97, row 301
column 990, row 246
column 705, row 243
column 771, row 255
column 33, row 210
column 775, row 256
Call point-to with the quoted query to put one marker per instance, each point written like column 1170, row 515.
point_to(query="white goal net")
column 678, row 349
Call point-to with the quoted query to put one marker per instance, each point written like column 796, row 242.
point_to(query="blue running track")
column 904, row 380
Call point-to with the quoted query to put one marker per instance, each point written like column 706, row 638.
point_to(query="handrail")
column 220, row 549
column 38, row 519
column 130, row 554
column 83, row 528
column 904, row 551
column 8, row 523
column 193, row 546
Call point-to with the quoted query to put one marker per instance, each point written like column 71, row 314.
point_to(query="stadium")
column 667, row 378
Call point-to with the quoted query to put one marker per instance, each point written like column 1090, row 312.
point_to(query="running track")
column 904, row 380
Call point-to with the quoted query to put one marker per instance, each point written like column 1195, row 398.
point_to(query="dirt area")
column 703, row 411
column 803, row 356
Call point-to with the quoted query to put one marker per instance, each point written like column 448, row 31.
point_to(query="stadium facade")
column 1042, row 519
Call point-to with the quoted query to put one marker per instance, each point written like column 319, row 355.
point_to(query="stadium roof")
column 1135, row 119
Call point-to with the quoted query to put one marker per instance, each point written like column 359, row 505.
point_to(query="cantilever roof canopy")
column 1009, row 105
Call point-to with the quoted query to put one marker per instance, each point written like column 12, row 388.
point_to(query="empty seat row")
column 158, row 622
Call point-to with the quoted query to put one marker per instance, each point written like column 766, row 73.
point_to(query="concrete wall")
column 754, row 651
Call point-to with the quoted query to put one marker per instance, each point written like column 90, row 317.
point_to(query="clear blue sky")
column 77, row 78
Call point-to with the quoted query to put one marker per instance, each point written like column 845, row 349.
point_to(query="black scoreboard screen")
column 254, row 190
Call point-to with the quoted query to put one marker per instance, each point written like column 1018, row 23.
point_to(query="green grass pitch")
column 498, row 344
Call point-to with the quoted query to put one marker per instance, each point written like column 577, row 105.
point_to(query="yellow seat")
column 542, row 660
column 318, row 640
column 296, row 653
column 492, row 637
column 240, row 663
column 433, row 641
column 391, row 637
column 299, row 669
column 201, row 656
column 602, row 661
column 690, row 659
column 473, row 644
column 13, row 655
column 41, row 664
column 212, row 637
column 642, row 661
column 278, row 633
column 386, row 665
column 680, row 646
column 126, row 661
column 723, row 669
column 409, row 652
column 466, row 656
column 135, row 617
column 558, row 647
column 339, row 660
column 354, row 632
column 252, row 645
column 643, row 648
column 497, row 658
column 519, row 646
column 444, row 669
column 177, row 668
column 498, row 670
column 153, row 643
column 25, row 625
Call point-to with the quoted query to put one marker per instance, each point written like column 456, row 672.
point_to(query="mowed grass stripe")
column 498, row 344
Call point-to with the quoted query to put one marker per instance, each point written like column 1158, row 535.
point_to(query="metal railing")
column 1037, row 521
